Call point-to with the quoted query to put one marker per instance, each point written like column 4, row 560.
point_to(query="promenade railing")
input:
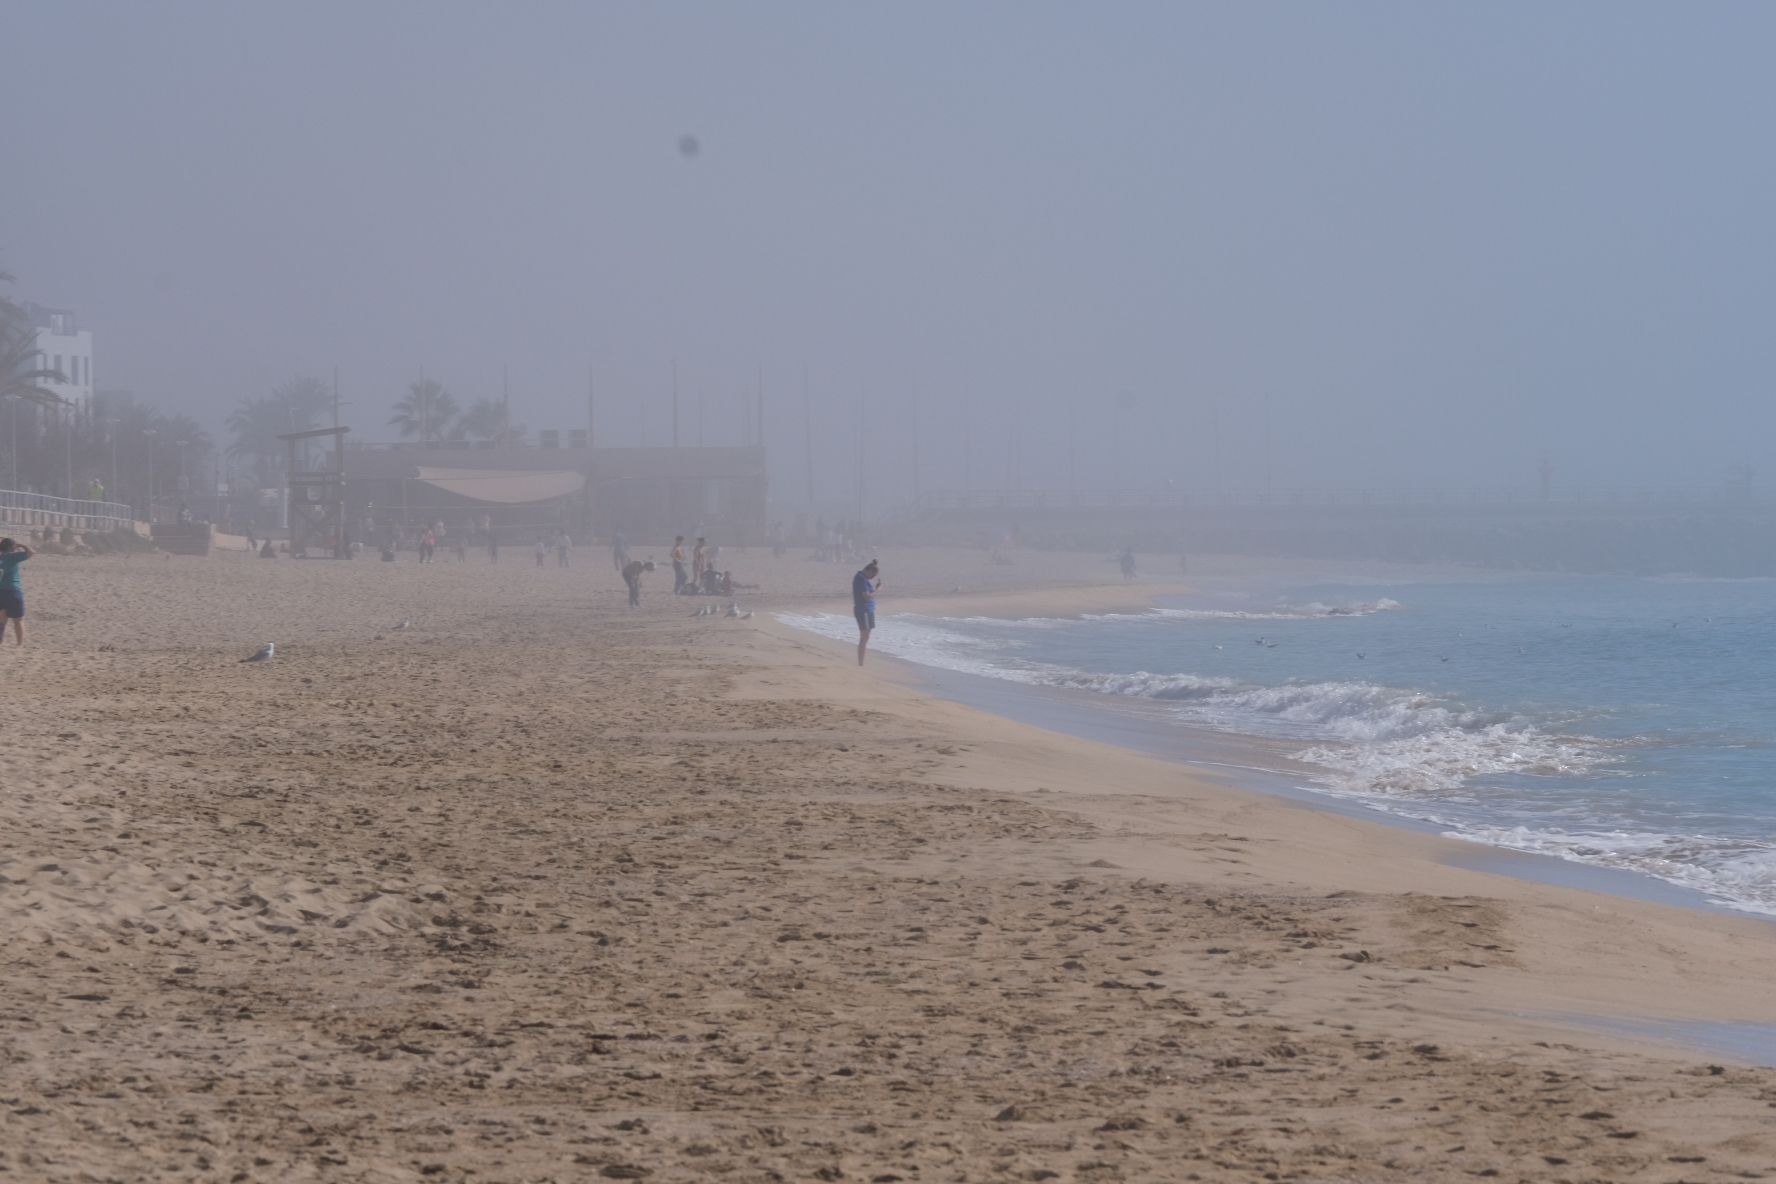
column 18, row 508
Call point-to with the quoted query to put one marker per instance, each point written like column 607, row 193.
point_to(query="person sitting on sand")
column 632, row 576
column 12, row 593
column 863, row 604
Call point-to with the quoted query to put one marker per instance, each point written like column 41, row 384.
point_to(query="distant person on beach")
column 1127, row 562
column 542, row 552
column 563, row 548
column 12, row 593
column 863, row 604
column 679, row 577
column 699, row 561
column 632, row 576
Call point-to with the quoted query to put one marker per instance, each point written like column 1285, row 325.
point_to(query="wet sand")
column 543, row 889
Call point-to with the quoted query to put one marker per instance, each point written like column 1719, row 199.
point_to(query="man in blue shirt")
column 12, row 593
column 863, row 605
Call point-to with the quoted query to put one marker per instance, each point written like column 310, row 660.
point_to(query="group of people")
column 836, row 542
column 703, row 577
column 563, row 546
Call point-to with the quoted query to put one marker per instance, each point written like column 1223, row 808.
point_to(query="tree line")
column 51, row 445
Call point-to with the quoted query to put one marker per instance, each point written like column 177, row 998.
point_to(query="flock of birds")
column 733, row 611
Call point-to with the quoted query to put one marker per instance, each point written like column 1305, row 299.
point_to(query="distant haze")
column 1423, row 243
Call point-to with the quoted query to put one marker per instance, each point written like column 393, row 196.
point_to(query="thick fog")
column 1380, row 245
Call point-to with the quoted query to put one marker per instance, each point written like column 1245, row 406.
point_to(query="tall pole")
column 862, row 440
column 116, row 492
column 675, row 402
column 1215, row 431
column 759, row 419
column 1267, row 468
column 1073, row 449
column 68, row 453
column 591, row 409
column 808, row 432
column 148, row 503
column 335, row 396
column 915, row 412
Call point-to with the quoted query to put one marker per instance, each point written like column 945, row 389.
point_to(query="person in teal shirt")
column 12, row 593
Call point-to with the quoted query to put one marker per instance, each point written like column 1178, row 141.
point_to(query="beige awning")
column 506, row 486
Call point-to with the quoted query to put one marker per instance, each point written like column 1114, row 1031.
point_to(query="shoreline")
column 1237, row 768
column 487, row 876
column 1261, row 764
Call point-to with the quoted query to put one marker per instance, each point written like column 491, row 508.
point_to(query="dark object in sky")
column 688, row 147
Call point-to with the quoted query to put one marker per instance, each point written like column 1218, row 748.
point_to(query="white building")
column 65, row 347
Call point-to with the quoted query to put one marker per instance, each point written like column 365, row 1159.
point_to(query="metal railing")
column 18, row 508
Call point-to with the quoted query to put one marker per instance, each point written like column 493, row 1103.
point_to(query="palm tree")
column 255, row 425
column 20, row 375
column 486, row 420
column 305, row 401
column 426, row 411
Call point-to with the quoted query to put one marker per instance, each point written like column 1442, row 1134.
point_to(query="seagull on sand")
column 264, row 653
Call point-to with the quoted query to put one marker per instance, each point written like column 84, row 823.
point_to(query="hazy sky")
column 1433, row 239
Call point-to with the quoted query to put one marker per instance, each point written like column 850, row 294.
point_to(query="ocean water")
column 1626, row 723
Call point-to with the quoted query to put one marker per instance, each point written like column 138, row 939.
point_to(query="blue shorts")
column 866, row 617
column 12, row 603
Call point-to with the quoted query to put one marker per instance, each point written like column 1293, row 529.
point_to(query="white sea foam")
column 1412, row 754
column 1286, row 612
column 1738, row 873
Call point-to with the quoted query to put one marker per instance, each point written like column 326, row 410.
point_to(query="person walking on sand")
column 563, row 548
column 632, row 576
column 679, row 577
column 863, row 604
column 12, row 593
column 542, row 552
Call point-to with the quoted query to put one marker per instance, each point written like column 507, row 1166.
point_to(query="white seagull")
column 264, row 654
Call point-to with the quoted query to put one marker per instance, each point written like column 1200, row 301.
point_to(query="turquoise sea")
column 1619, row 722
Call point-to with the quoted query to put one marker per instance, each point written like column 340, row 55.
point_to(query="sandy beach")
column 538, row 888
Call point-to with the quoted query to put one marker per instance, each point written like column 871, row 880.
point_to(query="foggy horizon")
column 1368, row 245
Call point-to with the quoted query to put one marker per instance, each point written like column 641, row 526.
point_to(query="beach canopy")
column 506, row 486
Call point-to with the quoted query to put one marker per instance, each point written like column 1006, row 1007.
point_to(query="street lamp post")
column 148, row 502
column 116, row 490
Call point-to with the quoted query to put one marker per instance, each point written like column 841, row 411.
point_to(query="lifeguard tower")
column 317, row 493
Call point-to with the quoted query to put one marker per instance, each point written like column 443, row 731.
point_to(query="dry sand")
column 544, row 890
